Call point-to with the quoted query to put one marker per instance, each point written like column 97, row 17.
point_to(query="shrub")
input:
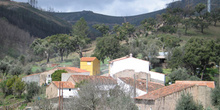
column 56, row 76
column 216, row 97
column 186, row 102
column 32, row 90
column 159, row 69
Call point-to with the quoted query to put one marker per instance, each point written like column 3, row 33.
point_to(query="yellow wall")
column 92, row 67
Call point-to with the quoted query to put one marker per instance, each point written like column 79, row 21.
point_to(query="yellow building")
column 90, row 64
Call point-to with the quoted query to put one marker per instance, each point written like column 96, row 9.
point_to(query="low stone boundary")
column 10, row 107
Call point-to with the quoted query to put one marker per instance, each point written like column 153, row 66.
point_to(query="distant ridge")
column 95, row 18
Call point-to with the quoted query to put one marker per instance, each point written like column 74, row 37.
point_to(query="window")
column 69, row 89
column 88, row 63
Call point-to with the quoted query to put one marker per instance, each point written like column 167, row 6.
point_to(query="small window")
column 69, row 89
column 88, row 63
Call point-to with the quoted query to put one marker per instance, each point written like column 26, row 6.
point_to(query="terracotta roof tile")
column 65, row 84
column 102, row 79
column 167, row 90
column 210, row 84
column 72, row 69
column 141, row 84
column 87, row 59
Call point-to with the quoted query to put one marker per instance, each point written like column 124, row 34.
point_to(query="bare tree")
column 101, row 96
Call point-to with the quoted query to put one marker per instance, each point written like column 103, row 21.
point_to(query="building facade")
column 91, row 64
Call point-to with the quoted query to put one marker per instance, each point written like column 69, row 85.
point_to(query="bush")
column 181, row 74
column 56, row 76
column 159, row 69
column 186, row 102
column 32, row 90
column 216, row 97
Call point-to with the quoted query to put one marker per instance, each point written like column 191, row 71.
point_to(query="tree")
column 202, row 20
column 216, row 97
column 32, row 89
column 187, row 24
column 149, row 24
column 94, row 96
column 176, row 59
column 186, row 102
column 62, row 43
column 56, row 76
column 18, row 87
column 198, row 55
column 123, row 31
column 107, row 47
column 181, row 74
column 4, row 68
column 42, row 46
column 104, row 29
column 215, row 15
column 16, row 69
column 80, row 33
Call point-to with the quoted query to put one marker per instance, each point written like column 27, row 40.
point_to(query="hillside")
column 95, row 18
column 37, row 23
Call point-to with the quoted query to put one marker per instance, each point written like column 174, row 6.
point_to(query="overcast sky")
column 107, row 7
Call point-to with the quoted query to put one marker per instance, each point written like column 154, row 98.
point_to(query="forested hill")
column 38, row 23
column 94, row 18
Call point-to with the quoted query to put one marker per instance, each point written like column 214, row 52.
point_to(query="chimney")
column 130, row 55
column 146, row 83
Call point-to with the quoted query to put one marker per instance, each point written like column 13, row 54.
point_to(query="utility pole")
column 219, row 74
column 209, row 6
column 146, row 83
column 134, row 87
column 59, row 96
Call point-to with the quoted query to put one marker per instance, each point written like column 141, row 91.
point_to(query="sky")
column 106, row 7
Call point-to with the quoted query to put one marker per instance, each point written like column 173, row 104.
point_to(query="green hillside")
column 94, row 18
column 38, row 23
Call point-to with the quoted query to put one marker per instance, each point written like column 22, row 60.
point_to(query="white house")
column 61, row 88
column 128, row 63
column 122, row 67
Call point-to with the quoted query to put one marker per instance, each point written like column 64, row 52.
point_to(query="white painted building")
column 126, row 63
column 130, row 63
column 61, row 88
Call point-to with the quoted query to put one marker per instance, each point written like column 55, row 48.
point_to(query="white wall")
column 67, row 93
column 130, row 63
column 129, row 88
column 157, row 76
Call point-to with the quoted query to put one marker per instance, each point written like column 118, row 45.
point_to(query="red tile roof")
column 126, row 57
column 141, row 84
column 167, row 90
column 65, row 84
column 85, row 59
column 100, row 79
column 210, row 84
column 72, row 69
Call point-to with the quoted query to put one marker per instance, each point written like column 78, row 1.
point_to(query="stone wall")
column 130, row 74
column 139, row 75
column 44, row 75
column 201, row 94
column 51, row 91
column 32, row 78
